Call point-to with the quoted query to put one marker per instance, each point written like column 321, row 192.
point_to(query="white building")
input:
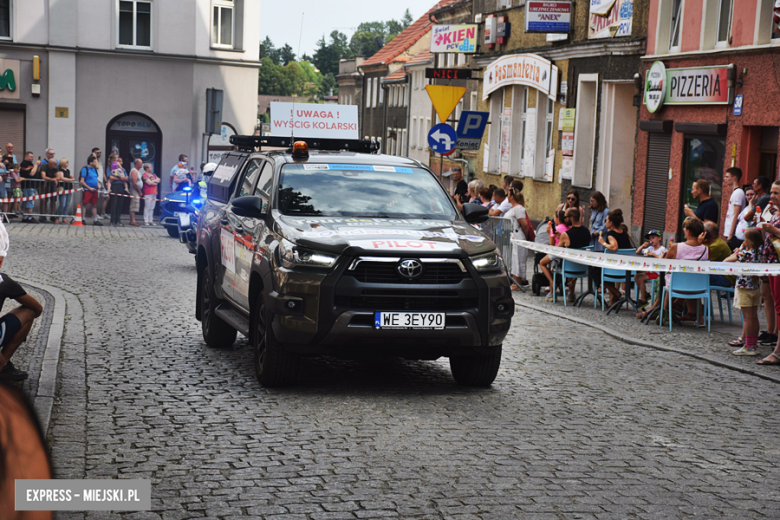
column 420, row 107
column 128, row 75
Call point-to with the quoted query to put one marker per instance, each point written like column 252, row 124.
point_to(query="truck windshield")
column 352, row 190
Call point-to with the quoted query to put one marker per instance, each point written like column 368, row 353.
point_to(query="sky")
column 281, row 19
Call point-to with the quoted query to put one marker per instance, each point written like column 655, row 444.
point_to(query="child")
column 748, row 294
column 118, row 171
column 16, row 188
column 652, row 247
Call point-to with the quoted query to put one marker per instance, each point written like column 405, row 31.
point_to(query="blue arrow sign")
column 472, row 125
column 442, row 138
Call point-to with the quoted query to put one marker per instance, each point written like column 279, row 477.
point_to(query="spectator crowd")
column 750, row 233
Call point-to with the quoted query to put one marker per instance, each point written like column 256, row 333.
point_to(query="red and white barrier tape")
column 37, row 197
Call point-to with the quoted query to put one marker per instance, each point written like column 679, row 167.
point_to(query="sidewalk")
column 686, row 339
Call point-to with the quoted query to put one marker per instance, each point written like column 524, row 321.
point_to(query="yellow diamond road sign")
column 444, row 99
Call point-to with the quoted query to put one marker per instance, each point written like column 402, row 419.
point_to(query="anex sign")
column 548, row 17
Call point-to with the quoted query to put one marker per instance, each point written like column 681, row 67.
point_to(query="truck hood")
column 384, row 236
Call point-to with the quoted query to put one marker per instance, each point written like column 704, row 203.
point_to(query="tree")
column 328, row 86
column 286, row 54
column 266, row 48
column 327, row 55
column 407, row 19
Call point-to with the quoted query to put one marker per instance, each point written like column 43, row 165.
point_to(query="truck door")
column 253, row 229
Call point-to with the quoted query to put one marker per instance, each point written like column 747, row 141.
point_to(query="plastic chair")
column 724, row 293
column 688, row 286
column 614, row 275
column 569, row 269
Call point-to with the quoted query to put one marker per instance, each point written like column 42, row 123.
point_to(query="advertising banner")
column 313, row 120
column 454, row 38
column 548, row 17
column 697, row 85
column 610, row 18
column 521, row 69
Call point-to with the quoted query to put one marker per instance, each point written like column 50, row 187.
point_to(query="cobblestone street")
column 577, row 425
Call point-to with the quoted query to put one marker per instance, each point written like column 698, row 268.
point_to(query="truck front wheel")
column 216, row 332
column 478, row 370
column 274, row 366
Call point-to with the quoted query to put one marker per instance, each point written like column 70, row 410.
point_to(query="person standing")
column 136, row 189
column 9, row 159
column 520, row 230
column 49, row 175
column 66, row 181
column 27, row 170
column 708, row 210
column 88, row 178
column 748, row 294
column 181, row 165
column 598, row 219
column 150, row 181
column 737, row 201
column 118, row 181
column 771, row 231
column 102, row 192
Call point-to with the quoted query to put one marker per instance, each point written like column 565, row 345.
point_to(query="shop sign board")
column 521, row 69
column 566, row 118
column 567, row 143
column 454, row 38
column 490, row 30
column 548, row 16
column 655, row 86
column 134, row 123
column 9, row 77
column 697, row 86
column 610, row 18
column 313, row 120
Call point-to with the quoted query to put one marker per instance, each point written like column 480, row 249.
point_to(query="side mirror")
column 249, row 207
column 475, row 213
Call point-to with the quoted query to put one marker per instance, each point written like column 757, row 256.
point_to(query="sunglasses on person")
column 571, row 198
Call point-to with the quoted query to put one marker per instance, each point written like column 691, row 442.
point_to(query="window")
column 264, row 184
column 473, row 102
column 135, row 24
column 250, row 178
column 723, row 36
column 222, row 24
column 676, row 24
column 5, row 19
column 549, row 126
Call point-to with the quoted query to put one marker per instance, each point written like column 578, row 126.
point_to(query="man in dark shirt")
column 15, row 325
column 28, row 170
column 708, row 210
column 461, row 188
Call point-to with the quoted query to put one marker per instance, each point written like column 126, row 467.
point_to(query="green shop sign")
column 8, row 81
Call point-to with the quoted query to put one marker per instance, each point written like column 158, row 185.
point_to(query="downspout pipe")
column 384, row 116
column 408, row 110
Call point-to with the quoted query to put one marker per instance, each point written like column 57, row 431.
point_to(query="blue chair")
column 569, row 269
column 724, row 293
column 613, row 275
column 688, row 286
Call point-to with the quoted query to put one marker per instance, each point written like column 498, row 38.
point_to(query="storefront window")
column 5, row 19
column 704, row 160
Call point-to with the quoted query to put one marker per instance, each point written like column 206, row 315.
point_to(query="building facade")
column 125, row 75
column 350, row 81
column 561, row 105
column 719, row 61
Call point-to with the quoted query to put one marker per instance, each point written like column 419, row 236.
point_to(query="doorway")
column 703, row 159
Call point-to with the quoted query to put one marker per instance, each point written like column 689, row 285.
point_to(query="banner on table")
column 645, row 263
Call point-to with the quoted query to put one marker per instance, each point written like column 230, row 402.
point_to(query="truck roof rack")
column 251, row 143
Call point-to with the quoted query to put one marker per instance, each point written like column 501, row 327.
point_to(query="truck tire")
column 274, row 366
column 172, row 232
column 476, row 370
column 216, row 332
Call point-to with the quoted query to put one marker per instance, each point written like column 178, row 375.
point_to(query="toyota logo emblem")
column 410, row 269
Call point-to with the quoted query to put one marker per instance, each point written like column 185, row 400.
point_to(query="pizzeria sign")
column 697, row 86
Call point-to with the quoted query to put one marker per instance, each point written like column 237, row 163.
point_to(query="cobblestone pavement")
column 578, row 424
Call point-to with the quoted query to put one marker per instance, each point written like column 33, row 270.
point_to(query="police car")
column 326, row 248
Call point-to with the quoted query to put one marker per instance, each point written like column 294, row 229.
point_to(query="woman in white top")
column 519, row 232
column 742, row 224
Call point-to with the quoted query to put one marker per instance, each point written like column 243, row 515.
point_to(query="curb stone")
column 641, row 343
column 47, row 381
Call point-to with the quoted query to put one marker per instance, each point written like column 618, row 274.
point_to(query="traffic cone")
column 77, row 221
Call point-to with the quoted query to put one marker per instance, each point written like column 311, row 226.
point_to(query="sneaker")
column 96, row 223
column 769, row 339
column 42, row 220
column 549, row 298
column 762, row 335
column 105, row 216
column 11, row 373
column 570, row 298
column 744, row 351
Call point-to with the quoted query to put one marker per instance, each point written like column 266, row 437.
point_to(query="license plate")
column 409, row 320
column 177, row 213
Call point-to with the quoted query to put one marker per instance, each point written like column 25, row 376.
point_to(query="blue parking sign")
column 472, row 124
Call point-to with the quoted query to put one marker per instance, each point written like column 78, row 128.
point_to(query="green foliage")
column 364, row 41
column 328, row 53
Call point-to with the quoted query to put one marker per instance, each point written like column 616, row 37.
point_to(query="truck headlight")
column 488, row 262
column 292, row 256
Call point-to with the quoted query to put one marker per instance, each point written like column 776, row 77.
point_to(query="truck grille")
column 386, row 272
column 402, row 300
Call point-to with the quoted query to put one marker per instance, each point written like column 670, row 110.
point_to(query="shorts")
column 747, row 298
column 90, row 197
column 652, row 276
column 9, row 327
column 17, row 192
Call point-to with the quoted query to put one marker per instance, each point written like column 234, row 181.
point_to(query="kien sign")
column 548, row 17
column 313, row 120
column 454, row 38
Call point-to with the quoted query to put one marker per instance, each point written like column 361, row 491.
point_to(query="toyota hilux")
column 326, row 248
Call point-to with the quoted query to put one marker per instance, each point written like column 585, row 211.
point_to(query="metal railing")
column 499, row 230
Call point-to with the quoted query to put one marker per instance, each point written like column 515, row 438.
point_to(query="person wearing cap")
column 16, row 325
column 653, row 247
